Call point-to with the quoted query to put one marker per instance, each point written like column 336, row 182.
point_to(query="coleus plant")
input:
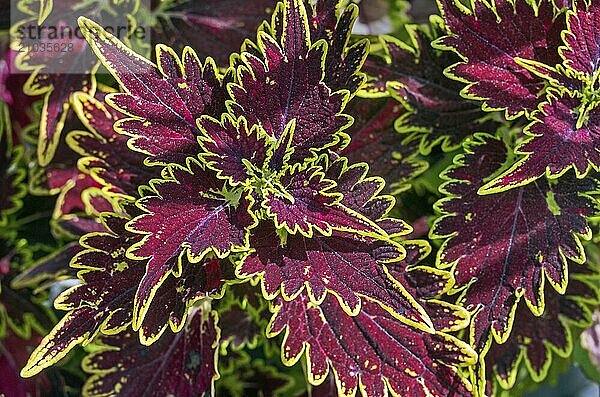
column 408, row 215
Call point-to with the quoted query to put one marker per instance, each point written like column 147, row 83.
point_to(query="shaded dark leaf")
column 182, row 364
column 507, row 245
column 375, row 141
column 435, row 110
column 216, row 28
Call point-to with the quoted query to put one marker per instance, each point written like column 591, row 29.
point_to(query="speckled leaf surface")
column 182, row 364
column 507, row 245
column 372, row 351
column 490, row 38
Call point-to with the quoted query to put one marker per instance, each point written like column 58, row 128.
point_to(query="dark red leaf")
column 536, row 339
column 182, row 364
column 71, row 199
column 104, row 301
column 163, row 100
column 556, row 143
column 342, row 62
column 361, row 193
column 507, row 245
column 287, row 84
column 175, row 296
column 342, row 264
column 308, row 202
column 372, row 349
column 106, row 156
column 243, row 315
column 49, row 268
column 187, row 217
column 490, row 38
column 233, row 149
column 582, row 51
column 426, row 284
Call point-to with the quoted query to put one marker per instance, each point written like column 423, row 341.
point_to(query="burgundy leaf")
column 243, row 316
column 241, row 328
column 280, row 264
column 182, row 364
column 189, row 218
column 371, row 350
column 490, row 38
column 59, row 89
column 71, row 199
column 426, row 284
column 309, row 201
column 537, row 338
column 342, row 62
column 331, row 21
column 375, row 142
column 76, row 327
column 78, row 193
column 361, row 193
column 54, row 178
column 106, row 155
column 231, row 147
column 342, row 264
column 582, row 51
column 163, row 100
column 104, row 301
column 175, row 296
column 507, row 245
column 556, row 143
column 75, row 225
column 287, row 84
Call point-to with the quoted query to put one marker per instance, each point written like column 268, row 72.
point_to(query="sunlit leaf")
column 490, row 37
column 371, row 351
